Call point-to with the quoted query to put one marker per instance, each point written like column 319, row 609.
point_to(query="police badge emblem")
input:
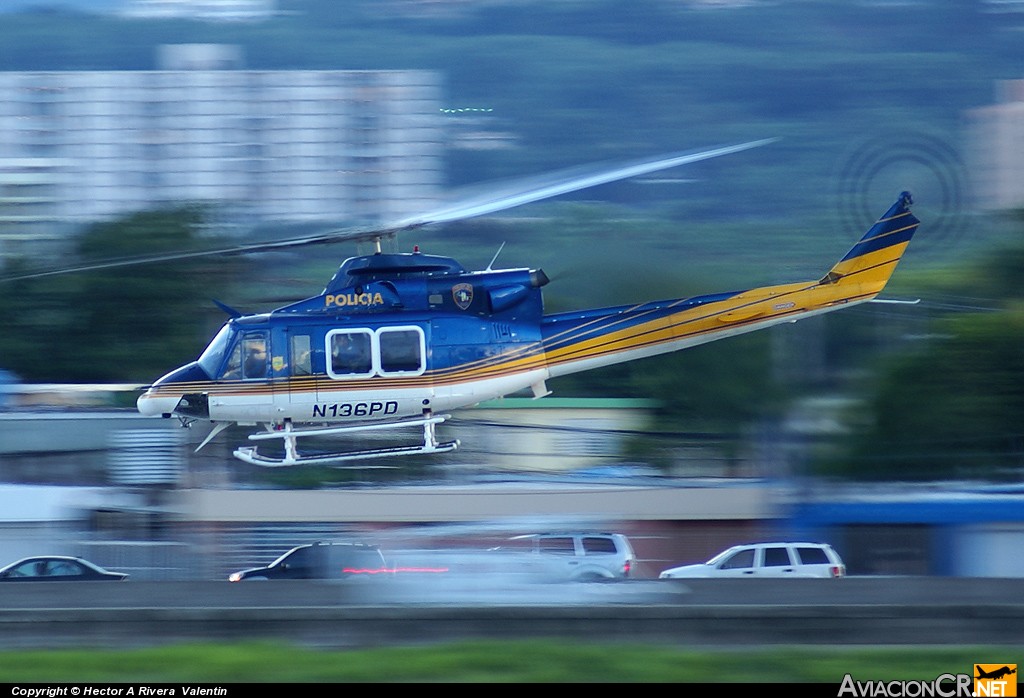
column 463, row 295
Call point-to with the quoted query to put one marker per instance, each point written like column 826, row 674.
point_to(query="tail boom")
column 581, row 341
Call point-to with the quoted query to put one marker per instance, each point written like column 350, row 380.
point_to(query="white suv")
column 578, row 556
column 778, row 560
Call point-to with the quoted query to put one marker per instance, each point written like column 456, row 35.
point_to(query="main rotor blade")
column 498, row 197
column 532, row 189
column 320, row 238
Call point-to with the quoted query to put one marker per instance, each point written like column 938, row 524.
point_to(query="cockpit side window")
column 249, row 358
column 233, row 370
column 254, row 349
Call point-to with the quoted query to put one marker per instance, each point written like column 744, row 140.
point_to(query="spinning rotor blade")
column 498, row 197
column 320, row 238
column 532, row 189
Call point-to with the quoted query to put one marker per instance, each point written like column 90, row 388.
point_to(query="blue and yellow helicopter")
column 398, row 340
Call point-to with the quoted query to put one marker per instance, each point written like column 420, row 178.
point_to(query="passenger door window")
column 351, row 353
column 776, row 557
column 388, row 351
column 401, row 351
column 776, row 562
column 301, row 355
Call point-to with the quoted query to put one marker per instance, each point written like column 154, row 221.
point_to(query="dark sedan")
column 57, row 568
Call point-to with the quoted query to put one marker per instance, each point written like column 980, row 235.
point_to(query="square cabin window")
column 401, row 351
column 351, row 353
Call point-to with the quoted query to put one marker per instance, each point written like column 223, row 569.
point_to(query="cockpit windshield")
column 212, row 358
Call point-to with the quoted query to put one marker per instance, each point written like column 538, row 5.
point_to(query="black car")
column 322, row 560
column 57, row 568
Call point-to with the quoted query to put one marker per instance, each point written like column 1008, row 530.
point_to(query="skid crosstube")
column 293, row 457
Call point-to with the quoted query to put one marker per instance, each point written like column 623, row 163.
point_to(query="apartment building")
column 301, row 146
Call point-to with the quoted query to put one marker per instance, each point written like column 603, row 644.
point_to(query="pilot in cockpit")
column 255, row 358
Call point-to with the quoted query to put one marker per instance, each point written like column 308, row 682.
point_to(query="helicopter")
column 399, row 340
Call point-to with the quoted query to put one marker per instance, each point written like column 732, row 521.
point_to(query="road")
column 890, row 610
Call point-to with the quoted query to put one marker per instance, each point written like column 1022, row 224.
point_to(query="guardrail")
column 860, row 611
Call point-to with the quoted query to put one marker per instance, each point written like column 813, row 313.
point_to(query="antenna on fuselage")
column 495, row 257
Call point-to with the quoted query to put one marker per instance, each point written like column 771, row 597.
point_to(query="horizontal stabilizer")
column 895, row 301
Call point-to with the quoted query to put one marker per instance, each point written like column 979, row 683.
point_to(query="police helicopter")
column 399, row 340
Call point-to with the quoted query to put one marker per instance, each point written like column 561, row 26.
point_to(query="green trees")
column 127, row 324
column 954, row 406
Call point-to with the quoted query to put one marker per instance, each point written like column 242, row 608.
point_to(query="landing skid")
column 292, row 456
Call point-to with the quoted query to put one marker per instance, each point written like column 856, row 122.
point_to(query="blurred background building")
column 996, row 149
column 328, row 146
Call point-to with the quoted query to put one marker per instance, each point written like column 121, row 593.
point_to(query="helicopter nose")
column 151, row 405
column 163, row 396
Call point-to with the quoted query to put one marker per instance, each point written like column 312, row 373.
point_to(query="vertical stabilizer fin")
column 874, row 257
